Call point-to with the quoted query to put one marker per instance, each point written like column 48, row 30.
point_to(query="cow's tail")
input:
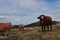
column 51, row 26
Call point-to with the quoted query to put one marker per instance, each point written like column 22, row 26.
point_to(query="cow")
column 5, row 27
column 21, row 27
column 45, row 22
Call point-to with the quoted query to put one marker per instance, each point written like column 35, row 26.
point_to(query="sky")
column 26, row 11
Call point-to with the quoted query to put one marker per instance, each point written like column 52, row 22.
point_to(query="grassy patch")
column 57, row 27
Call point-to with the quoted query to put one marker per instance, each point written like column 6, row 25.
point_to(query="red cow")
column 45, row 21
column 21, row 27
column 5, row 27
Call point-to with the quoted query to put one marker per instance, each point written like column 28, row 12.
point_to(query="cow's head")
column 41, row 17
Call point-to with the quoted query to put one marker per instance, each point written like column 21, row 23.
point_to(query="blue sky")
column 27, row 11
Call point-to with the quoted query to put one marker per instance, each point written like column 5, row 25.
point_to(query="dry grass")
column 34, row 33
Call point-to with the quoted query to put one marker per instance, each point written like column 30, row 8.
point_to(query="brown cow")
column 5, row 27
column 21, row 27
column 45, row 21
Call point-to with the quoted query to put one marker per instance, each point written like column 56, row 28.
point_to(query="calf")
column 21, row 27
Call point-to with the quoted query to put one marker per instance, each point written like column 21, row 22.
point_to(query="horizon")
column 33, row 23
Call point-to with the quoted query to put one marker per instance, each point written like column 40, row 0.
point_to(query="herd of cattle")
column 6, row 27
column 45, row 22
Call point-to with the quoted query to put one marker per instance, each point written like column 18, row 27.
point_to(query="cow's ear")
column 38, row 17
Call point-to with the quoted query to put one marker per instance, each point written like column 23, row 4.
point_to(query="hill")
column 37, row 24
column 32, row 24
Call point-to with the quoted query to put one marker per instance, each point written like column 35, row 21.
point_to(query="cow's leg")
column 7, row 32
column 3, row 33
column 19, row 29
column 51, row 27
column 22, row 29
column 47, row 27
column 42, row 28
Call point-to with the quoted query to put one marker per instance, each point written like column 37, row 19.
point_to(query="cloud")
column 16, row 20
column 22, row 6
column 8, row 6
column 2, row 16
column 32, row 5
